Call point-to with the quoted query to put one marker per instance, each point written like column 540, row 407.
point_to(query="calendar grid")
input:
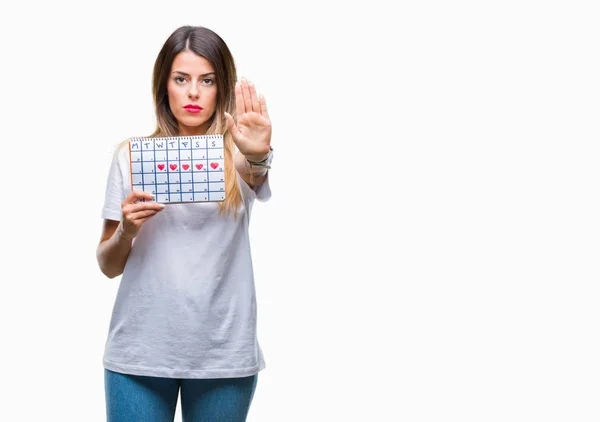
column 207, row 164
column 179, row 155
column 175, row 172
column 167, row 168
column 153, row 169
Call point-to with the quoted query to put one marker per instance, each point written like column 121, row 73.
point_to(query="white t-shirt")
column 186, row 304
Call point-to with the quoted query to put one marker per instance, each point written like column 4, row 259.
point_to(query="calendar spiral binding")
column 175, row 138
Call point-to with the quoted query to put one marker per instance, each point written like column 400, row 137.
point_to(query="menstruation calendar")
column 179, row 168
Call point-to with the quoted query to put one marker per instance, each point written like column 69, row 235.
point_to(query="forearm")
column 256, row 175
column 112, row 253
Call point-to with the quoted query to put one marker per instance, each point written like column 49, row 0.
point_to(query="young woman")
column 185, row 313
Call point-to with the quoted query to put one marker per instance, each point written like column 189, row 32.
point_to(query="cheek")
column 172, row 91
column 172, row 106
column 213, row 98
column 174, row 99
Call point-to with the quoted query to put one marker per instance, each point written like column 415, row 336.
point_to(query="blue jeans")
column 136, row 398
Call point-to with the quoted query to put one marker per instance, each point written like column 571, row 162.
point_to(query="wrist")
column 257, row 158
column 122, row 235
column 261, row 161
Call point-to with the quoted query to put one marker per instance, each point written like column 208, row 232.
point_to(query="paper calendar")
column 179, row 168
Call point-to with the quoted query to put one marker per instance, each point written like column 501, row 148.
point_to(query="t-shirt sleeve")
column 115, row 193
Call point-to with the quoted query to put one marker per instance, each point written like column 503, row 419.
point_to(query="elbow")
column 110, row 273
column 106, row 269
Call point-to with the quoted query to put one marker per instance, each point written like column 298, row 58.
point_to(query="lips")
column 193, row 107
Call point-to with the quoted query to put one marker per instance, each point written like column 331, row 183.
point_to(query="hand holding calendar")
column 252, row 135
column 136, row 213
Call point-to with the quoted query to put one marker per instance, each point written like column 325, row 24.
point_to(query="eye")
column 208, row 81
column 179, row 79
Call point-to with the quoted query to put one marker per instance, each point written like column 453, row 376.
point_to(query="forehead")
column 191, row 63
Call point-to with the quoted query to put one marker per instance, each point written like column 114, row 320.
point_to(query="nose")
column 193, row 93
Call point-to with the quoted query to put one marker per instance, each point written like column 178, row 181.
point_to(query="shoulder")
column 121, row 151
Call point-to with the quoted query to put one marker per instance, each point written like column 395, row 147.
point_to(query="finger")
column 238, row 137
column 141, row 215
column 157, row 206
column 235, row 132
column 137, row 224
column 142, row 206
column 136, row 195
column 239, row 100
column 246, row 95
column 141, row 221
column 263, row 106
column 254, row 97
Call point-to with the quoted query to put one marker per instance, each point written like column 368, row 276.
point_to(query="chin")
column 191, row 121
column 193, row 125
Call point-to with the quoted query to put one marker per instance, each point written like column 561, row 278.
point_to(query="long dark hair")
column 205, row 43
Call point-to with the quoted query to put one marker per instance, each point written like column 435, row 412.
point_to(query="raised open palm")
column 252, row 134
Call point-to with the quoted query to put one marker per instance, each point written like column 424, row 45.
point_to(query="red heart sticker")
column 161, row 166
column 199, row 166
column 173, row 166
column 214, row 165
column 185, row 166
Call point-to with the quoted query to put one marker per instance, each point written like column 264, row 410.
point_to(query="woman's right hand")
column 135, row 214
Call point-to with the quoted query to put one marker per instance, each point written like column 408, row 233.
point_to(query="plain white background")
column 430, row 252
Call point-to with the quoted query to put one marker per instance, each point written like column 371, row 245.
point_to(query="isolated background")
column 430, row 249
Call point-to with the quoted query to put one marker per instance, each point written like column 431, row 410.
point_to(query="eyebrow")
column 187, row 74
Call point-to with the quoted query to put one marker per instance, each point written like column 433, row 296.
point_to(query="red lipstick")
column 193, row 108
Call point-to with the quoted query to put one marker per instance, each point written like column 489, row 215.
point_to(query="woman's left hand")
column 252, row 135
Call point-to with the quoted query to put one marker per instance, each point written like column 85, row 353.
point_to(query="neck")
column 193, row 130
